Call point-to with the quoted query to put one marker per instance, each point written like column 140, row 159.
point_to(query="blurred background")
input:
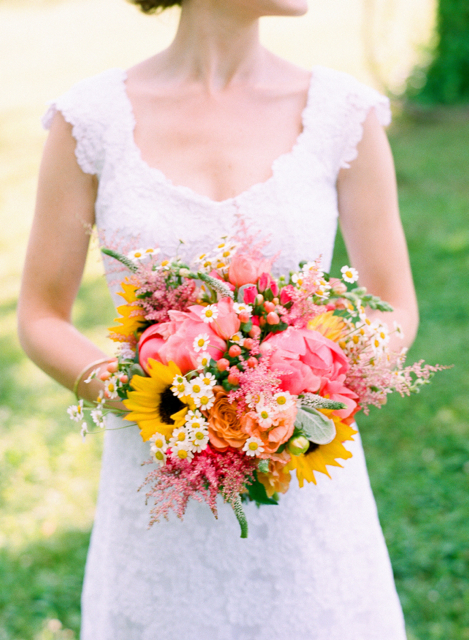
column 417, row 448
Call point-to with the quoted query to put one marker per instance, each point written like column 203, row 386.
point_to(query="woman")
column 174, row 149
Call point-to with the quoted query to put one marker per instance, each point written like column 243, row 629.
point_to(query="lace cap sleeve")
column 359, row 100
column 88, row 107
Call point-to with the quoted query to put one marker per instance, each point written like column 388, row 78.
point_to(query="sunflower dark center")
column 169, row 404
column 312, row 447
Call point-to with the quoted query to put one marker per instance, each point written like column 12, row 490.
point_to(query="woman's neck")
column 216, row 44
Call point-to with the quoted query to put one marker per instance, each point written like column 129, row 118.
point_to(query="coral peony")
column 280, row 431
column 336, row 390
column 224, row 427
column 174, row 341
column 245, row 270
column 323, row 357
column 227, row 323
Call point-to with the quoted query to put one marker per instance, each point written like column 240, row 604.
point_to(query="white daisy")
column 208, row 380
column 264, row 416
column 111, row 387
column 197, row 387
column 237, row 337
column 158, row 442
column 159, row 457
column 203, row 360
column 98, row 418
column 253, row 446
column 283, row 400
column 180, row 386
column 201, row 342
column 210, row 313
column 298, row 279
column 241, row 307
column 100, row 400
column 182, row 451
column 84, row 430
column 398, row 330
column 92, row 376
column 137, row 255
column 179, row 436
column 152, row 252
column 195, row 420
column 349, row 274
column 205, row 401
column 76, row 411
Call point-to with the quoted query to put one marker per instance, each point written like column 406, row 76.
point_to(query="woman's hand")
column 372, row 230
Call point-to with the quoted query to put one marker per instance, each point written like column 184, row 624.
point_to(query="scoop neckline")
column 190, row 193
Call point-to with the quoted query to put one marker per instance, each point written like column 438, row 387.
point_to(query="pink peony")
column 322, row 357
column 245, row 270
column 227, row 323
column 174, row 340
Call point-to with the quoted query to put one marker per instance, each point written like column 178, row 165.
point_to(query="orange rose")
column 224, row 427
column 280, row 432
column 277, row 480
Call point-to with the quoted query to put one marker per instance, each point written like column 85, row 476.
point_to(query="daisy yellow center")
column 149, row 251
column 196, row 388
column 226, row 254
column 281, row 400
column 207, row 264
column 111, row 387
column 264, row 415
column 253, row 446
column 376, row 343
column 159, row 455
column 182, row 453
column 349, row 274
column 204, row 400
column 159, row 443
column 137, row 254
column 165, row 263
column 181, row 437
column 206, row 381
column 356, row 339
column 382, row 335
column 201, row 342
column 209, row 313
column 199, row 435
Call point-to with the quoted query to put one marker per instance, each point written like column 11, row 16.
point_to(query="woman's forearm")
column 60, row 350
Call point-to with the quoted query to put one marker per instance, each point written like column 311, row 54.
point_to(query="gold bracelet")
column 84, row 370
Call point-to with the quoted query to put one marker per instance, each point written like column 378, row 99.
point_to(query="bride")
column 175, row 148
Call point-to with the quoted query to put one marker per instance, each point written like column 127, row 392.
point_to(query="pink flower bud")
column 269, row 306
column 274, row 287
column 234, row 351
column 248, row 343
column 263, row 282
column 112, row 367
column 249, row 294
column 259, row 298
column 223, row 364
column 272, row 318
column 105, row 375
column 233, row 378
column 262, row 321
column 286, row 294
column 124, row 379
column 244, row 316
column 252, row 362
column 255, row 332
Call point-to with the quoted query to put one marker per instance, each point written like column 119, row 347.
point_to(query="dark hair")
column 152, row 6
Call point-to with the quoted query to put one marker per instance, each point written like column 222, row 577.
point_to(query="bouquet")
column 236, row 378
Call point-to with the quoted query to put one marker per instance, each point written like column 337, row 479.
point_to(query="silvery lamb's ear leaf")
column 240, row 297
column 315, row 426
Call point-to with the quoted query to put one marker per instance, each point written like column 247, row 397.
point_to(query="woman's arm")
column 54, row 264
column 372, row 229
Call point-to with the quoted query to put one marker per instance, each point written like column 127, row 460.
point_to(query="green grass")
column 417, row 448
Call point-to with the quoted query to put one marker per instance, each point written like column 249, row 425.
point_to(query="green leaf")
column 315, row 426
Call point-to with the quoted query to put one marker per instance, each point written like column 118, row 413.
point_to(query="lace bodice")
column 316, row 566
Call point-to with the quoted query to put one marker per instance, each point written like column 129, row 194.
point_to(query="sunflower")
column 328, row 325
column 152, row 404
column 323, row 455
column 130, row 321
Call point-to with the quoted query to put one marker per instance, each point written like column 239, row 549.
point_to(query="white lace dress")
column 316, row 566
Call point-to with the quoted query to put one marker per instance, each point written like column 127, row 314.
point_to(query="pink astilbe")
column 374, row 379
column 210, row 473
column 248, row 242
column 256, row 383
